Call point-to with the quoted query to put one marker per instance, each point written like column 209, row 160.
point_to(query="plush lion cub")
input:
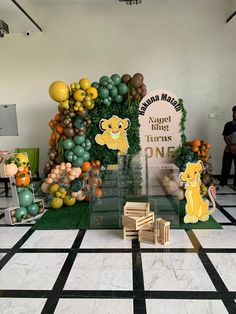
column 196, row 208
column 114, row 134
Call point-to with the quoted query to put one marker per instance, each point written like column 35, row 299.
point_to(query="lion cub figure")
column 114, row 133
column 196, row 208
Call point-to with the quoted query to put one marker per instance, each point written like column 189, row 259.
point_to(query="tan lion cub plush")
column 196, row 208
column 114, row 134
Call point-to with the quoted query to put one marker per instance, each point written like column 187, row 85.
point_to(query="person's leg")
column 234, row 170
column 226, row 167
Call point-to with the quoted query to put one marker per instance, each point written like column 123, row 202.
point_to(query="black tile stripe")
column 24, row 294
column 226, row 214
column 220, row 286
column 139, row 302
column 13, row 250
column 53, row 299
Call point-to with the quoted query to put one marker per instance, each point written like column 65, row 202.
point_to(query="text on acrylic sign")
column 159, row 117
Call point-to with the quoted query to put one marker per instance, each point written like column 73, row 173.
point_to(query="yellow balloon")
column 85, row 83
column 59, row 91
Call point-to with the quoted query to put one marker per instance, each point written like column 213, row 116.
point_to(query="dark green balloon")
column 122, row 88
column 116, row 79
column 106, row 101
column 78, row 139
column 33, row 209
column 78, row 150
column 118, row 98
column 78, row 162
column 21, row 213
column 68, row 144
column 114, row 92
column 86, row 156
column 26, row 198
column 78, row 122
column 95, row 84
column 103, row 92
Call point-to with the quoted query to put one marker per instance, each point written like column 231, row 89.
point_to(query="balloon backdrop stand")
column 25, row 207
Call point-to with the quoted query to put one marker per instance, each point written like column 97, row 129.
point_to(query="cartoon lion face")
column 114, row 127
column 192, row 172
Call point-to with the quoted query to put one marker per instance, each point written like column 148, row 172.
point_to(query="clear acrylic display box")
column 163, row 187
column 127, row 183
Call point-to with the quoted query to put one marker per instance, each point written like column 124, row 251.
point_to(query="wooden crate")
column 147, row 236
column 138, row 209
column 162, row 229
column 10, row 219
column 129, row 234
column 136, row 223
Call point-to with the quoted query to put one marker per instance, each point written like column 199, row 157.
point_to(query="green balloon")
column 83, row 144
column 88, row 145
column 21, row 213
column 103, row 92
column 104, row 78
column 95, row 84
column 78, row 139
column 122, row 88
column 86, row 156
column 26, row 198
column 33, row 209
column 78, row 150
column 78, row 122
column 78, row 162
column 69, row 155
column 106, row 101
column 68, row 144
column 20, row 189
column 116, row 79
column 118, row 98
column 114, row 92
column 109, row 86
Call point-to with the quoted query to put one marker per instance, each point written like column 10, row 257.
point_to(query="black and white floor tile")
column 96, row 272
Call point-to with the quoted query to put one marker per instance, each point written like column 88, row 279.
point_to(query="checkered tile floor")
column 95, row 271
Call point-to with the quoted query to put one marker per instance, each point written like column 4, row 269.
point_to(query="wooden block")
column 129, row 234
column 138, row 209
column 163, row 231
column 136, row 223
column 147, row 236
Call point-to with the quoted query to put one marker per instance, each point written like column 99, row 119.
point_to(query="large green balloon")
column 78, row 162
column 78, row 139
column 116, row 79
column 104, row 80
column 122, row 88
column 33, row 209
column 78, row 150
column 21, row 213
column 103, row 92
column 25, row 198
column 68, row 144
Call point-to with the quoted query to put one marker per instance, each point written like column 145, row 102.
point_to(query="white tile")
column 7, row 202
column 2, row 255
column 221, row 238
column 226, row 199
column 9, row 236
column 105, row 271
column 225, row 264
column 178, row 239
column 185, row 306
column 219, row 217
column 94, row 306
column 231, row 211
column 31, row 270
column 175, row 271
column 21, row 305
column 225, row 189
column 104, row 239
column 51, row 239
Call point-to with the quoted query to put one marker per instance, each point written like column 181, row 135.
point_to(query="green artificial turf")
column 77, row 217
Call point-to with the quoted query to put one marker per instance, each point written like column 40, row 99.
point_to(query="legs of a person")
column 226, row 167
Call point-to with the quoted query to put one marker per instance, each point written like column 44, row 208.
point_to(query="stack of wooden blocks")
column 139, row 223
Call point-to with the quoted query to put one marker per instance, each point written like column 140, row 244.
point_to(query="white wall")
column 184, row 46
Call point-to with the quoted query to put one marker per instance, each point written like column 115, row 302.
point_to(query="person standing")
column 229, row 155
